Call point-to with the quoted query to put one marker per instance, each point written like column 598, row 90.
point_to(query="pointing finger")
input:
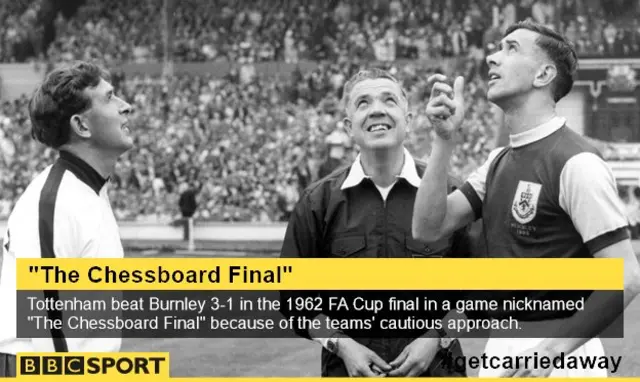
column 458, row 89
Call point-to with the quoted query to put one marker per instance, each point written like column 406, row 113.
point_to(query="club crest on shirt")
column 525, row 202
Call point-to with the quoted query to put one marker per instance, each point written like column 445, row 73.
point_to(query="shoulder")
column 28, row 202
column 585, row 168
column 495, row 154
column 72, row 201
column 323, row 187
column 454, row 182
column 570, row 144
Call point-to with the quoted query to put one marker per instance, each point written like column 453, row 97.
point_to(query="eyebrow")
column 389, row 94
column 366, row 96
column 508, row 42
column 359, row 98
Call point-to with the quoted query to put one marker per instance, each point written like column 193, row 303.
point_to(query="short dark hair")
column 60, row 96
column 560, row 51
column 367, row 74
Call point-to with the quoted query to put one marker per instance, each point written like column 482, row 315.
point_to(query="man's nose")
column 377, row 110
column 126, row 108
column 491, row 59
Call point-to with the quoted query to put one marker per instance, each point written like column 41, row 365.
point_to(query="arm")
column 588, row 194
column 437, row 214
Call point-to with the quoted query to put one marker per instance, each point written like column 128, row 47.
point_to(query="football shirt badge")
column 525, row 202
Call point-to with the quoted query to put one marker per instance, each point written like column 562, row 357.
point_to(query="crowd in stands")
column 251, row 144
column 288, row 30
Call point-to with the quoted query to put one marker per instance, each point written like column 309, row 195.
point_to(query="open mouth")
column 378, row 127
column 493, row 77
column 125, row 128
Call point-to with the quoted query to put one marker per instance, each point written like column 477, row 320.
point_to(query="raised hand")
column 445, row 109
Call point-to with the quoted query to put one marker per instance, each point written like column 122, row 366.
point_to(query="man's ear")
column 408, row 118
column 545, row 76
column 347, row 125
column 79, row 127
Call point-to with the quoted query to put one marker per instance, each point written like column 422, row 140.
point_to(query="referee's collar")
column 357, row 175
column 83, row 171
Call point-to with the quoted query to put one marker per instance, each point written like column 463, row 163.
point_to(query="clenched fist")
column 445, row 109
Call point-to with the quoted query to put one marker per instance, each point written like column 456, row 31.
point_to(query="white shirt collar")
column 537, row 133
column 409, row 172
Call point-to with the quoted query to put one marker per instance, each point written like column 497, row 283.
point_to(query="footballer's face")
column 377, row 114
column 108, row 119
column 515, row 66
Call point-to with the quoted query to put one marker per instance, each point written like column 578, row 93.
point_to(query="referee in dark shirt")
column 364, row 211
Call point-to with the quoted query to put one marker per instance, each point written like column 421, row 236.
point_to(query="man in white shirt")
column 65, row 211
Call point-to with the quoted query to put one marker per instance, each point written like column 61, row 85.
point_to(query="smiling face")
column 377, row 114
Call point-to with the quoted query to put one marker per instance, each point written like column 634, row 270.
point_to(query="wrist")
column 335, row 343
column 442, row 148
column 440, row 335
column 447, row 142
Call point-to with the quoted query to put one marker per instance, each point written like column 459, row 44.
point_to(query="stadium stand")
column 255, row 140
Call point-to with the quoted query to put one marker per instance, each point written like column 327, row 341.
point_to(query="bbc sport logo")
column 100, row 364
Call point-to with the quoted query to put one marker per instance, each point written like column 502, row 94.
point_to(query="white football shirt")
column 63, row 213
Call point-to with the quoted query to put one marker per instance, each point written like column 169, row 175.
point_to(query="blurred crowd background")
column 250, row 142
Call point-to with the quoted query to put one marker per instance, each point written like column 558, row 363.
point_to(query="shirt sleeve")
column 588, row 194
column 474, row 189
column 302, row 240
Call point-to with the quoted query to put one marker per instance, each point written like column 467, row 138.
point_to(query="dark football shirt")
column 549, row 194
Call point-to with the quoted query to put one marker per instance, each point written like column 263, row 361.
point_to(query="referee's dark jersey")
column 345, row 215
column 63, row 213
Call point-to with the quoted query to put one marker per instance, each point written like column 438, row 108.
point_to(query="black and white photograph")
column 306, row 130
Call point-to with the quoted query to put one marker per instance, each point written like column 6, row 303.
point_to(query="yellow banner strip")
column 301, row 379
column 319, row 274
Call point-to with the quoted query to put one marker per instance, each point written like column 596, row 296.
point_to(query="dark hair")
column 560, row 51
column 60, row 96
column 367, row 74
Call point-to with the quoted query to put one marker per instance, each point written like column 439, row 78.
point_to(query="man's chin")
column 495, row 96
column 381, row 144
column 127, row 145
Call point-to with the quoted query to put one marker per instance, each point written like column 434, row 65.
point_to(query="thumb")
column 400, row 359
column 458, row 90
